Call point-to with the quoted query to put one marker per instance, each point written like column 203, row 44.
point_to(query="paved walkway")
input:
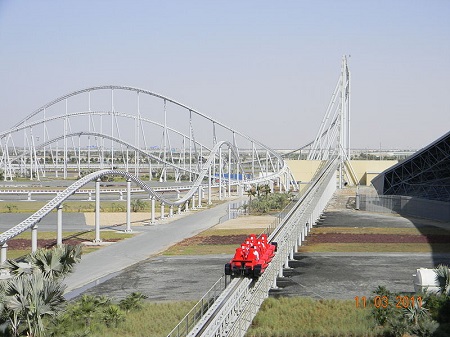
column 150, row 241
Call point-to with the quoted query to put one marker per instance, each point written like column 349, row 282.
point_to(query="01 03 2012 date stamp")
column 401, row 301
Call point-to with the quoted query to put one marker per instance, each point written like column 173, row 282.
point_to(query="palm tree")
column 443, row 278
column 113, row 315
column 132, row 301
column 56, row 262
column 88, row 305
column 138, row 205
column 30, row 298
column 35, row 291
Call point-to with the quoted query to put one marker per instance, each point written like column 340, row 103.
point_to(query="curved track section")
column 64, row 195
column 130, row 129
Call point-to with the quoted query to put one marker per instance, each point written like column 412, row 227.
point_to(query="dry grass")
column 304, row 317
column 376, row 248
column 155, row 319
column 381, row 230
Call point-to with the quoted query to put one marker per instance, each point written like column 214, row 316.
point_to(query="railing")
column 198, row 311
column 233, row 312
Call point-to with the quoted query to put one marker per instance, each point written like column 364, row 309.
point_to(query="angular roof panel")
column 425, row 174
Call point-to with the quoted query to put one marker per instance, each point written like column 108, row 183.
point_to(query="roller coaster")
column 91, row 133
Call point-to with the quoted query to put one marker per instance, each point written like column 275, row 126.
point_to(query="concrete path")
column 150, row 241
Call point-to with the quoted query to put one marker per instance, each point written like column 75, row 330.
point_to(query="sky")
column 265, row 68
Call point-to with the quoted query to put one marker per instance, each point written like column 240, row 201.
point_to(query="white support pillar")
column 34, row 238
column 280, row 272
column 229, row 172
column 152, row 221
column 291, row 254
column 162, row 211
column 209, row 186
column 59, row 209
column 220, row 173
column 128, row 229
column 97, row 211
column 274, row 284
column 193, row 202
column 170, row 211
column 200, row 197
column 3, row 253
column 186, row 206
column 179, row 209
column 286, row 263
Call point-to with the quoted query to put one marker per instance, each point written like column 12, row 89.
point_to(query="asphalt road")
column 150, row 241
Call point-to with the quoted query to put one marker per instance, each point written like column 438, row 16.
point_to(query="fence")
column 404, row 205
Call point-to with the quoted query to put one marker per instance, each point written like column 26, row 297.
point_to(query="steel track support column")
column 170, row 211
column 128, row 229
column 229, row 172
column 280, row 272
column 3, row 254
column 296, row 245
column 209, row 185
column 179, row 209
column 162, row 211
column 186, row 206
column 97, row 211
column 193, row 202
column 286, row 263
column 220, row 173
column 152, row 220
column 34, row 238
column 59, row 210
column 274, row 284
column 65, row 144
column 200, row 197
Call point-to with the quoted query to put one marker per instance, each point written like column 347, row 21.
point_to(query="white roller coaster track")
column 233, row 311
column 64, row 195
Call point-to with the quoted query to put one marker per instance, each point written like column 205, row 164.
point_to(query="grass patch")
column 85, row 236
column 376, row 248
column 106, row 235
column 75, row 206
column 381, row 230
column 306, row 317
column 17, row 253
column 154, row 319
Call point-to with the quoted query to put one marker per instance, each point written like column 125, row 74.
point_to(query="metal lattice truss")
column 333, row 136
column 134, row 130
column 334, row 131
column 426, row 174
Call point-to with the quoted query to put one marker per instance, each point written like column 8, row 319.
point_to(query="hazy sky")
column 266, row 68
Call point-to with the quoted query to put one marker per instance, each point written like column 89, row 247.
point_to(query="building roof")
column 425, row 174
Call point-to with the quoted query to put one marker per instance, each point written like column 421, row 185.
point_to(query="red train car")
column 252, row 257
